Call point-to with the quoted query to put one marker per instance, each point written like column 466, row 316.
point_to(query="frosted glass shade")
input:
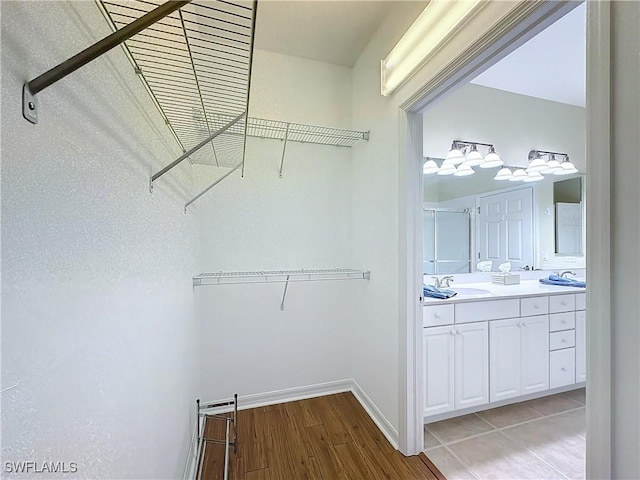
column 430, row 167
column 464, row 170
column 503, row 174
column 454, row 156
column 518, row 175
column 533, row 177
column 474, row 158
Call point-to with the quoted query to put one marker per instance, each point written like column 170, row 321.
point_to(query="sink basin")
column 470, row 291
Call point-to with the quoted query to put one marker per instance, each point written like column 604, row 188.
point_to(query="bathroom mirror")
column 457, row 233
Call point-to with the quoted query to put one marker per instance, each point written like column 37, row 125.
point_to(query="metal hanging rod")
column 279, row 276
column 33, row 87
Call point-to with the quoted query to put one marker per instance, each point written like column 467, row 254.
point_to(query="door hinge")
column 478, row 210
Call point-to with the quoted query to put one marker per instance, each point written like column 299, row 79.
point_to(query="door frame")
column 459, row 70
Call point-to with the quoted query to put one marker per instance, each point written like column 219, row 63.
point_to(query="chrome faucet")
column 444, row 282
column 567, row 272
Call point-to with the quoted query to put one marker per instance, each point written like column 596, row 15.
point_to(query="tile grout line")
column 501, row 430
column 495, row 429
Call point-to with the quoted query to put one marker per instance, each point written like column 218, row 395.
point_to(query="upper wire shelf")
column 196, row 65
column 285, row 276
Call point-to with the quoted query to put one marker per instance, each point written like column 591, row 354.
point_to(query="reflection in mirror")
column 567, row 199
column 458, row 234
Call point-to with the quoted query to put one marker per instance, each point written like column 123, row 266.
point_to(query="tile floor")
column 537, row 439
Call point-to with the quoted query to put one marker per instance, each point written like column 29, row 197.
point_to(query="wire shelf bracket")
column 279, row 276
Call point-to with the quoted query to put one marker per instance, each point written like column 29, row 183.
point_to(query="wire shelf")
column 281, row 276
column 196, row 65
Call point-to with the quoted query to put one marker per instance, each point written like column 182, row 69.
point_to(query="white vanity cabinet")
column 487, row 351
column 519, row 356
column 456, row 364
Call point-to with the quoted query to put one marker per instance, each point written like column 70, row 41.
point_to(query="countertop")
column 526, row 288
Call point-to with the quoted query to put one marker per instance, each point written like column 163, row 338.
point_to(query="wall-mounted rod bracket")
column 211, row 186
column 155, row 176
column 284, row 294
column 284, row 149
column 32, row 88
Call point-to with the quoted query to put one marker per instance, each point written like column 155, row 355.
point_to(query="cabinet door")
column 472, row 364
column 535, row 354
column 504, row 358
column 581, row 346
column 438, row 358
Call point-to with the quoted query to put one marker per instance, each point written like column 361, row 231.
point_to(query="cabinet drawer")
column 581, row 301
column 437, row 315
column 489, row 310
column 562, row 303
column 562, row 367
column 534, row 306
column 565, row 339
column 562, row 321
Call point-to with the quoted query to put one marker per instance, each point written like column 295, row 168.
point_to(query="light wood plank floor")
column 325, row 438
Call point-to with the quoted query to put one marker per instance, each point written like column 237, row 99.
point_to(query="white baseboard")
column 318, row 390
column 376, row 415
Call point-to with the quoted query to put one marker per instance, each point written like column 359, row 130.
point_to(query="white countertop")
column 526, row 288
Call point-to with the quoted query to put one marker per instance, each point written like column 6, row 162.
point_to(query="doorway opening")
column 542, row 256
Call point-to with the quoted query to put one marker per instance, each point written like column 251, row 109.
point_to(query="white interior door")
column 506, row 228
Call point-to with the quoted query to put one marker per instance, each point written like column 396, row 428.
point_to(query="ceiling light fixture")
column 432, row 29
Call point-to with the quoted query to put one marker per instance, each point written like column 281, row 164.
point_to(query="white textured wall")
column 98, row 327
column 376, row 223
column 263, row 222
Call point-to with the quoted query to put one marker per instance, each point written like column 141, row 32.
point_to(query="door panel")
column 438, row 365
column 472, row 364
column 504, row 359
column 505, row 227
column 535, row 354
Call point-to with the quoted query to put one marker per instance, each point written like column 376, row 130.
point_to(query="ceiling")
column 551, row 66
column 327, row 31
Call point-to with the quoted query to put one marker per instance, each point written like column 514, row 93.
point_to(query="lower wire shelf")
column 227, row 419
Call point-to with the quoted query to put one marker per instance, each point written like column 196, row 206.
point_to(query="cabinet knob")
column 564, row 322
column 458, row 332
column 536, row 307
column 563, row 369
column 452, row 332
column 563, row 303
column 436, row 315
column 564, row 340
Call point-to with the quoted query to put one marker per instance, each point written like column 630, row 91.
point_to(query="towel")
column 563, row 282
column 435, row 292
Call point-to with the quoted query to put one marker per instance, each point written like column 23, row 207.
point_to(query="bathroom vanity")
column 492, row 345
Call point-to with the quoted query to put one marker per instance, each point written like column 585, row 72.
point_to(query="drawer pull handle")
column 563, row 369
column 436, row 315
column 458, row 332
column 452, row 332
column 563, row 303
column 564, row 322
column 536, row 307
column 564, row 340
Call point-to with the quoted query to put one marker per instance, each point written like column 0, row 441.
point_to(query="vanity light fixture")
column 551, row 166
column 473, row 158
column 454, row 155
column 447, row 168
column 533, row 177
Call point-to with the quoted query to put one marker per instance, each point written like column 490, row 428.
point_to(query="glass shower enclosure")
column 446, row 241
